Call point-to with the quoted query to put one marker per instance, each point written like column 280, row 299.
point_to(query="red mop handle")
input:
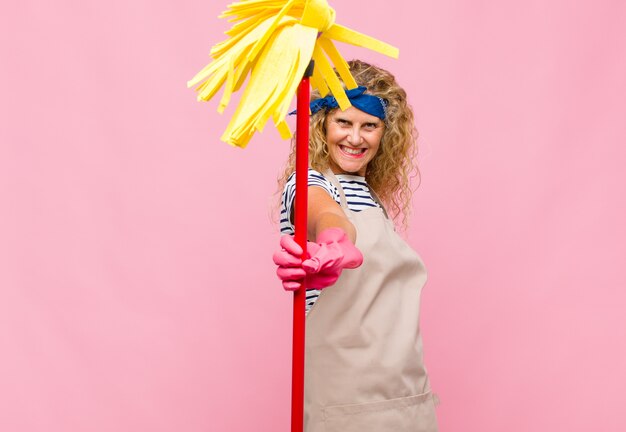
column 299, row 299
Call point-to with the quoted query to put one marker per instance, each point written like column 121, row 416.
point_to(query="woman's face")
column 353, row 138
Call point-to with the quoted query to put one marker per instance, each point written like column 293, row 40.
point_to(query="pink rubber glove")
column 332, row 252
column 289, row 262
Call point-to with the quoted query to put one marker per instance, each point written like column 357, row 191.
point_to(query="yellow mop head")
column 273, row 41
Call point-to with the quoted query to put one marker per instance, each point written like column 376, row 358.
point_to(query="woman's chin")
column 346, row 169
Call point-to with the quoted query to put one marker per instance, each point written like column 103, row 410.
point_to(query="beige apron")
column 364, row 367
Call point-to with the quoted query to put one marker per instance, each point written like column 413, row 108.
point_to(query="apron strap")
column 380, row 203
column 342, row 196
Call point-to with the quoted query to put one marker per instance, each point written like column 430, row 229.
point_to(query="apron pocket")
column 407, row 414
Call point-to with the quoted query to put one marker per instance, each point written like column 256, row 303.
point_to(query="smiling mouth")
column 352, row 151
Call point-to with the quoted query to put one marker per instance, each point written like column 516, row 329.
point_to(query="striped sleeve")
column 357, row 192
column 315, row 178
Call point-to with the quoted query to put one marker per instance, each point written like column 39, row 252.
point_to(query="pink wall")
column 137, row 291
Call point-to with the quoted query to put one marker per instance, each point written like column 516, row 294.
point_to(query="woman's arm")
column 324, row 212
column 331, row 246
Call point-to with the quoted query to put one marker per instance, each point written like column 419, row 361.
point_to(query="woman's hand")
column 289, row 262
column 327, row 257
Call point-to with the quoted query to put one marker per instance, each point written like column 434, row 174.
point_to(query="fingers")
column 321, row 270
column 288, row 243
column 353, row 258
column 291, row 277
column 291, row 285
column 289, row 262
column 327, row 257
column 289, row 255
column 290, row 273
column 285, row 259
column 311, row 265
column 312, row 248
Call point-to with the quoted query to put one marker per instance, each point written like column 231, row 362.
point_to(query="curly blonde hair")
column 389, row 173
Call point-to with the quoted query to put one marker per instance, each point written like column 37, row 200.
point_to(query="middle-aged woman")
column 364, row 367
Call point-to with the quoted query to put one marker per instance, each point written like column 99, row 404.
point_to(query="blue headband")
column 367, row 103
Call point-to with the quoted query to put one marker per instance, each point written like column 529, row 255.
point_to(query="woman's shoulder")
column 312, row 173
column 314, row 178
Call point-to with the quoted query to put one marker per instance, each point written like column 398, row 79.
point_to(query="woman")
column 364, row 366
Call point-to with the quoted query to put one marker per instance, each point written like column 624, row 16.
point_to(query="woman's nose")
column 354, row 137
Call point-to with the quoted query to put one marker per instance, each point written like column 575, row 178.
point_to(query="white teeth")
column 352, row 151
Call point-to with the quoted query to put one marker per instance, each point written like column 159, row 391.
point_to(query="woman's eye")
column 342, row 122
column 371, row 125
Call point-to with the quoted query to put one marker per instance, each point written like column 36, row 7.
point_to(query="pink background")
column 137, row 291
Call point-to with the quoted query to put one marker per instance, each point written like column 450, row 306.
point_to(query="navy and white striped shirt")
column 358, row 198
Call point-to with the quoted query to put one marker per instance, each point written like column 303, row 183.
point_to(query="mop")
column 282, row 46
